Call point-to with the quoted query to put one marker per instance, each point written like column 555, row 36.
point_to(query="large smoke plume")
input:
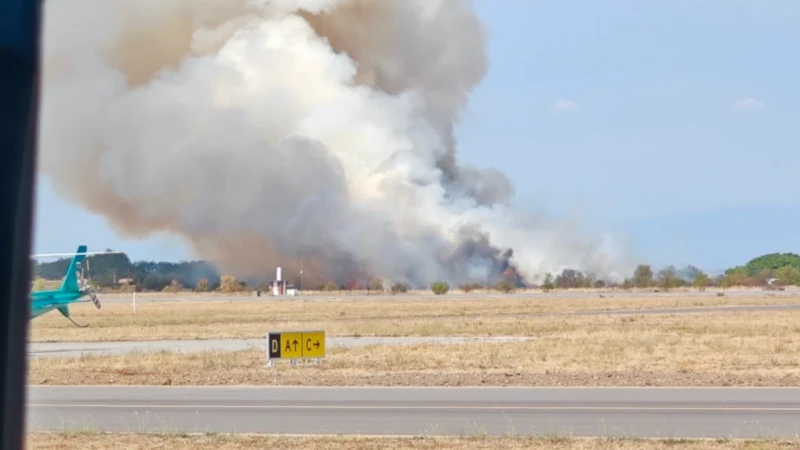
column 263, row 131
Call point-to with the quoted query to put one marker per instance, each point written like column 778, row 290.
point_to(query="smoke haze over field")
column 261, row 131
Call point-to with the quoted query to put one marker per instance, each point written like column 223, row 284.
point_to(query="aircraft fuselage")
column 46, row 301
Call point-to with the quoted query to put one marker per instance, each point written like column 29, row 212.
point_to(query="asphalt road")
column 641, row 412
column 76, row 349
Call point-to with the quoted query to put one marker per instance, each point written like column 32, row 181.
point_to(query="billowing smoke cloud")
column 263, row 131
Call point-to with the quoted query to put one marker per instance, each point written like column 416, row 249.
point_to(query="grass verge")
column 90, row 440
column 243, row 319
column 723, row 349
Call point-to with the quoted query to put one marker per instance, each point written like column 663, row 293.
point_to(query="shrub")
column 548, row 284
column 399, row 288
column 202, row 285
column 39, row 284
column 227, row 283
column 376, row 285
column 469, row 287
column 173, row 287
column 505, row 287
column 440, row 287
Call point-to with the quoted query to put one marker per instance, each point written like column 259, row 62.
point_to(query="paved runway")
column 76, row 349
column 641, row 412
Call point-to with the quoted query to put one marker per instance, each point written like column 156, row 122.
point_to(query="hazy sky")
column 622, row 111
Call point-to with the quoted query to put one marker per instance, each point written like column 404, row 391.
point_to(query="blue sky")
column 675, row 122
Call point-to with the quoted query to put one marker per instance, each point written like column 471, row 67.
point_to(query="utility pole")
column 301, row 273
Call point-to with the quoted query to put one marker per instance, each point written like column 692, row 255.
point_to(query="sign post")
column 295, row 345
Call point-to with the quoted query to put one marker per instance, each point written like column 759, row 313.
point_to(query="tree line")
column 773, row 269
column 117, row 271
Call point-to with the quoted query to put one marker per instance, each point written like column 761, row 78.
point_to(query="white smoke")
column 265, row 130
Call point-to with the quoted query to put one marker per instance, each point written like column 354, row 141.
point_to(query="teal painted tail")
column 70, row 283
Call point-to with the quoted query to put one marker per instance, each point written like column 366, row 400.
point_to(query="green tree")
column 571, row 279
column 589, row 280
column 548, row 284
column 701, row 281
column 692, row 272
column 737, row 276
column 440, row 287
column 643, row 276
column 760, row 278
column 788, row 276
column 772, row 262
column 331, row 286
column 668, row 278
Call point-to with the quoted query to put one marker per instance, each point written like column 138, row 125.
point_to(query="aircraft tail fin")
column 71, row 279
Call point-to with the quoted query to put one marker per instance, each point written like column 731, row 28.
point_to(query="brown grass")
column 406, row 317
column 723, row 349
column 57, row 441
column 454, row 292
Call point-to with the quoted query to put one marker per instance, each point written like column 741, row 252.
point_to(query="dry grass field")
column 94, row 441
column 454, row 292
column 712, row 349
column 451, row 316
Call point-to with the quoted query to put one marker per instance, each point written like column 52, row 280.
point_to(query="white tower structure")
column 278, row 286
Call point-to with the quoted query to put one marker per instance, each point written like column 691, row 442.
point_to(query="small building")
column 278, row 286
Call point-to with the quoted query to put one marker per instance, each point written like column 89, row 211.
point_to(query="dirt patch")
column 317, row 378
column 62, row 441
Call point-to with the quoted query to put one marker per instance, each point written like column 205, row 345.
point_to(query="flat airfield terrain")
column 441, row 341
column 195, row 363
column 649, row 413
column 206, row 316
column 478, row 294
